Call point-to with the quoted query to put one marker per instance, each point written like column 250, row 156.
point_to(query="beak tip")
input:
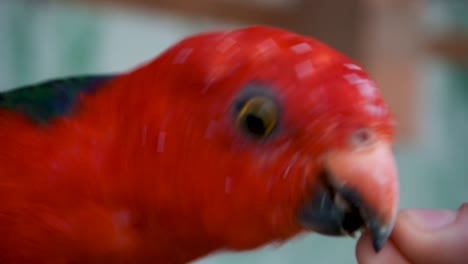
column 379, row 235
column 377, row 244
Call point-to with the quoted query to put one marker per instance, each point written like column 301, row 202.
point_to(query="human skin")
column 427, row 236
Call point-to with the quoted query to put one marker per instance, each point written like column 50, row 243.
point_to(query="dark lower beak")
column 342, row 212
column 349, row 200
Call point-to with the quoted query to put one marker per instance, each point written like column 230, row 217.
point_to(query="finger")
column 366, row 254
column 433, row 236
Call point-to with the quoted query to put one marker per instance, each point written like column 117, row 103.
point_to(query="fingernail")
column 432, row 219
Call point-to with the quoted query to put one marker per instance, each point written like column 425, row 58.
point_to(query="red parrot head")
column 280, row 134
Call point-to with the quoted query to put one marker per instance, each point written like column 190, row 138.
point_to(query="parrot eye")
column 258, row 116
column 362, row 137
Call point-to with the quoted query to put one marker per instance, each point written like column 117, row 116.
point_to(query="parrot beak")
column 359, row 189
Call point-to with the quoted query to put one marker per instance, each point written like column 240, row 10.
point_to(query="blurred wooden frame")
column 350, row 26
column 452, row 46
column 226, row 10
column 320, row 18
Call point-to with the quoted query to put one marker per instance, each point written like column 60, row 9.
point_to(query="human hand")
column 422, row 236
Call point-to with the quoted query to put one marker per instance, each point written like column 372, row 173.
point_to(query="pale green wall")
column 42, row 41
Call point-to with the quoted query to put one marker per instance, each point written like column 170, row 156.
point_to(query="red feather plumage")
column 152, row 168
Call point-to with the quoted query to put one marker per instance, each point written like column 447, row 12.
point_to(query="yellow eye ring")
column 258, row 116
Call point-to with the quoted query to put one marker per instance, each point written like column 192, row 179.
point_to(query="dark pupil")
column 255, row 125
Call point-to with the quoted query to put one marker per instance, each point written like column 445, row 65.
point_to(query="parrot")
column 227, row 140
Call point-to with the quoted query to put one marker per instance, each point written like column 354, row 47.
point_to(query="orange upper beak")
column 359, row 189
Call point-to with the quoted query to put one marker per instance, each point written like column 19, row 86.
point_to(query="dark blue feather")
column 44, row 101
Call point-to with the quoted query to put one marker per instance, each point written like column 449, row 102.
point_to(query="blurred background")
column 416, row 50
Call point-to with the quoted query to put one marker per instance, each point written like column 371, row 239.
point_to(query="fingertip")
column 430, row 219
column 365, row 253
column 364, row 248
column 438, row 235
